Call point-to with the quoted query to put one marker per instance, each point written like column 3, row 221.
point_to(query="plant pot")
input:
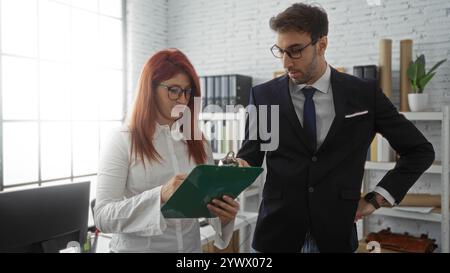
column 418, row 102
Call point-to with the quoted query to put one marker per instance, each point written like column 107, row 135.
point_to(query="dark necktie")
column 309, row 114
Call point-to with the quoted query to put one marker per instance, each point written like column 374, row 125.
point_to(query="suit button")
column 314, row 159
column 311, row 189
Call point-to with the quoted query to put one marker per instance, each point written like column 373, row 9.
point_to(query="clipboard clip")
column 229, row 160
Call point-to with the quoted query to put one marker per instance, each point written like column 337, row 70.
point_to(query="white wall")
column 146, row 34
column 233, row 36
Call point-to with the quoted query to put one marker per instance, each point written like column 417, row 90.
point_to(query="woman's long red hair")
column 160, row 67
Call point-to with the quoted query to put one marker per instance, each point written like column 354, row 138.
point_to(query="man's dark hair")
column 302, row 18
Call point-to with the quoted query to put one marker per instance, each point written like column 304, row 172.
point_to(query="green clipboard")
column 204, row 183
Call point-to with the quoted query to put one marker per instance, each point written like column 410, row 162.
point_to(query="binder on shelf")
column 224, row 91
column 365, row 71
column 217, row 91
column 232, row 91
column 203, row 91
column 210, row 91
column 358, row 71
column 370, row 72
column 243, row 87
column 384, row 150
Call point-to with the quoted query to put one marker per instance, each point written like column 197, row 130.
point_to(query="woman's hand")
column 171, row 186
column 225, row 209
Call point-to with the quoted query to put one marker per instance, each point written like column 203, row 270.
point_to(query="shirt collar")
column 161, row 129
column 322, row 84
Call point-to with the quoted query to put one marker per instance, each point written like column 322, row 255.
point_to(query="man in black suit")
column 311, row 198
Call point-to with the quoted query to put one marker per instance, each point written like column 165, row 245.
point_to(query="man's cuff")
column 386, row 195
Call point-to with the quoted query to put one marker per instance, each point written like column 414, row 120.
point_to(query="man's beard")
column 309, row 71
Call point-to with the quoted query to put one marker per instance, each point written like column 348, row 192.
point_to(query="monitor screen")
column 44, row 219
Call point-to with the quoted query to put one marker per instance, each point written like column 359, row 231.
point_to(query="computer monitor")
column 44, row 219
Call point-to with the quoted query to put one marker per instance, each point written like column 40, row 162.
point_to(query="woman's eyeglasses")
column 175, row 92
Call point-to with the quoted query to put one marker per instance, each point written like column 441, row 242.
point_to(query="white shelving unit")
column 441, row 169
column 432, row 217
column 226, row 125
column 386, row 166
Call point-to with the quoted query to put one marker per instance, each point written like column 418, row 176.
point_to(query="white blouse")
column 128, row 197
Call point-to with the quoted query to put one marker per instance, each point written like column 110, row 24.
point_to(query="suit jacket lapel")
column 339, row 100
column 283, row 96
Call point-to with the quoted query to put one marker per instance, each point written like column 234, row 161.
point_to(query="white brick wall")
column 146, row 34
column 233, row 36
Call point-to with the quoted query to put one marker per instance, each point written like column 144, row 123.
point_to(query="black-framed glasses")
column 174, row 92
column 294, row 51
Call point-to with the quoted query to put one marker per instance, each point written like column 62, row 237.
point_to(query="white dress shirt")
column 325, row 114
column 323, row 102
column 128, row 202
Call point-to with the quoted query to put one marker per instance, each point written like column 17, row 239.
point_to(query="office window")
column 62, row 87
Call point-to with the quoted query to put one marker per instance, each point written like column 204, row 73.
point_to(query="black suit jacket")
column 319, row 190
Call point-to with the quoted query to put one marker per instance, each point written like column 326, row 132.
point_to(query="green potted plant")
column 419, row 78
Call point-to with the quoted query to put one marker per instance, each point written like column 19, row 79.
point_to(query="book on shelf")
column 373, row 150
column 212, row 128
column 224, row 135
column 381, row 151
column 384, row 151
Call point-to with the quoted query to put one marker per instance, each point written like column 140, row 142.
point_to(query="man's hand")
column 242, row 162
column 225, row 209
column 365, row 208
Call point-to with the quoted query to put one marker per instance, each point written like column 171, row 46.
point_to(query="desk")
column 244, row 222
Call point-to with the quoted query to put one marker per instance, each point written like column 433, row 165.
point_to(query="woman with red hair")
column 142, row 165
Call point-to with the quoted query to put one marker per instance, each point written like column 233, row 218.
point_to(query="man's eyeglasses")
column 294, row 51
column 175, row 92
